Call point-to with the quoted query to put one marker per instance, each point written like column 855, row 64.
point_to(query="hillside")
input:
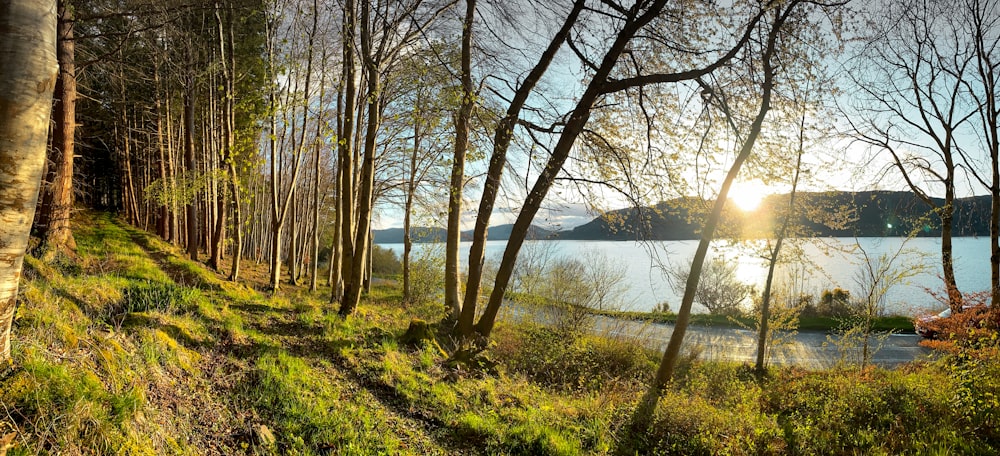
column 131, row 349
column 838, row 214
column 822, row 214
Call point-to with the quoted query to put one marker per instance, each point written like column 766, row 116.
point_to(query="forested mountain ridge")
column 874, row 213
column 839, row 214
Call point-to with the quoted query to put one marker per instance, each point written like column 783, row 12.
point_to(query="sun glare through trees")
column 245, row 227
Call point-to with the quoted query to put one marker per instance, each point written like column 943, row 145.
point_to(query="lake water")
column 824, row 264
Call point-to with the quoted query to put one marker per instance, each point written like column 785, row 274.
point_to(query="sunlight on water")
column 820, row 265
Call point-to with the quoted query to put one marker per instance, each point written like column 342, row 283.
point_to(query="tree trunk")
column 57, row 205
column 352, row 291
column 293, row 231
column 408, row 203
column 191, row 169
column 666, row 370
column 314, row 239
column 574, row 126
column 501, row 142
column 163, row 225
column 451, row 269
column 765, row 305
column 27, row 81
column 346, row 152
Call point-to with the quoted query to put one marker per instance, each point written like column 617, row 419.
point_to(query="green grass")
column 132, row 349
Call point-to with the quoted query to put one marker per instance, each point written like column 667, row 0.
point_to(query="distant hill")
column 425, row 234
column 820, row 214
column 666, row 221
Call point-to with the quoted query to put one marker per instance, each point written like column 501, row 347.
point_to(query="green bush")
column 835, row 303
column 426, row 274
column 560, row 359
column 385, row 261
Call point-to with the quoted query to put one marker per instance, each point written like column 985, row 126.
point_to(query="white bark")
column 27, row 80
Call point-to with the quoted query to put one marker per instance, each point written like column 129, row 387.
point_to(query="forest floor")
column 129, row 348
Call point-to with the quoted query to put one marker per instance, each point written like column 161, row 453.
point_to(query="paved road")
column 809, row 349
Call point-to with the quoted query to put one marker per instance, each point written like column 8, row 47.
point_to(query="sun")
column 748, row 195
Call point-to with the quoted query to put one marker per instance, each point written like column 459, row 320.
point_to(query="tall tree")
column 912, row 107
column 451, row 269
column 981, row 22
column 781, row 233
column 346, row 162
column 57, row 203
column 386, row 33
column 630, row 20
column 27, row 81
column 498, row 160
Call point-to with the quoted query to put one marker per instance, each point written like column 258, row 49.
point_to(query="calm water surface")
column 823, row 264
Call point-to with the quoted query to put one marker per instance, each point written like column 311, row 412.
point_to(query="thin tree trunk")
column 335, row 280
column 163, row 225
column 765, row 306
column 58, row 201
column 451, row 270
column 408, row 202
column 666, row 370
column 175, row 220
column 574, row 126
column 293, row 221
column 346, row 155
column 352, row 292
column 501, row 142
column 191, row 169
column 27, row 80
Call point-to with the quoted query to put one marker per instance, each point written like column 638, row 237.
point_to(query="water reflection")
column 810, row 266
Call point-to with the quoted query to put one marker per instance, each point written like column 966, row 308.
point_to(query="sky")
column 836, row 164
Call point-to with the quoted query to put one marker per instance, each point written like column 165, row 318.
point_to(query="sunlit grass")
column 133, row 349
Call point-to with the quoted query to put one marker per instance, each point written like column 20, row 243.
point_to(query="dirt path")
column 222, row 421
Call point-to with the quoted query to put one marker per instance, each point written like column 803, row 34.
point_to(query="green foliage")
column 832, row 303
column 385, row 261
column 563, row 359
column 202, row 370
column 719, row 290
column 182, row 189
column 427, row 274
column 976, row 371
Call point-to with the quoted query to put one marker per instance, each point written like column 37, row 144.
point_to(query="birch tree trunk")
column 27, row 81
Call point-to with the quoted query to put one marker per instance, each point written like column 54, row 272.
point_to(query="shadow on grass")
column 137, row 320
column 176, row 270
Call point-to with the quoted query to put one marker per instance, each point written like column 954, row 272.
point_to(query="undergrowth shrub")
column 385, row 261
column 976, row 371
column 560, row 359
column 832, row 303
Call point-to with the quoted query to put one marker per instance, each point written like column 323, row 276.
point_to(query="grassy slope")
column 132, row 350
